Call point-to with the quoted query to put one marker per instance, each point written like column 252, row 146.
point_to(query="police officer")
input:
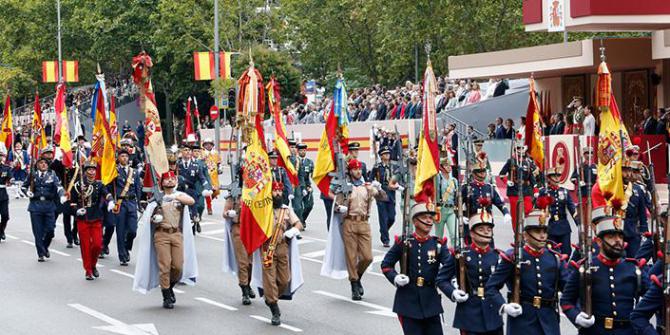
column 5, row 180
column 589, row 173
column 123, row 194
column 383, row 173
column 511, row 169
column 355, row 227
column 191, row 177
column 561, row 207
column 279, row 174
column 616, row 283
column 417, row 301
column 473, row 313
column 543, row 274
column 636, row 216
column 44, row 190
column 354, row 148
column 307, row 168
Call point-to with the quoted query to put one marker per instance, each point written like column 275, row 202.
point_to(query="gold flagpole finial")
column 98, row 68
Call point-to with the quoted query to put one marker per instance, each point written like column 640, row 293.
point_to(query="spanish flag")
column 98, row 114
column 203, row 63
column 428, row 157
column 325, row 156
column 533, row 135
column 612, row 140
column 38, row 138
column 62, row 134
column 280, row 131
column 6, row 135
column 113, row 127
column 108, row 162
column 50, row 71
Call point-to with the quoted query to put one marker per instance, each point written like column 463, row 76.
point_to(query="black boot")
column 355, row 293
column 252, row 295
column 245, row 295
column 173, row 298
column 274, row 308
column 197, row 227
column 360, row 287
column 167, row 299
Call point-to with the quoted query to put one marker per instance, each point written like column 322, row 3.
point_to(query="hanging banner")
column 556, row 21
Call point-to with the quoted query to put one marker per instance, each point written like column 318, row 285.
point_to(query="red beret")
column 277, row 186
column 166, row 175
column 354, row 164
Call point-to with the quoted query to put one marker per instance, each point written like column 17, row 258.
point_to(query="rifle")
column 585, row 234
column 341, row 185
column 373, row 145
column 406, row 174
column 517, row 162
column 655, row 219
column 462, row 278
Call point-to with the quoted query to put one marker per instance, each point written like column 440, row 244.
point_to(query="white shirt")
column 589, row 125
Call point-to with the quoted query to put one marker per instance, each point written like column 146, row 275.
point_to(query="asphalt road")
column 54, row 298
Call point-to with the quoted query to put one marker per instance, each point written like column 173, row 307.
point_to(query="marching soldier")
column 43, row 188
column 297, row 202
column 213, row 162
column 193, row 177
column 542, row 275
column 562, row 206
column 417, row 301
column 135, row 158
column 355, row 227
column 636, row 217
column 199, row 159
column 528, row 172
column 307, row 168
column 87, row 200
column 5, row 181
column 478, row 148
column 589, row 173
column 20, row 163
column 383, row 173
column 70, row 228
column 123, row 193
column 279, row 174
column 473, row 313
column 447, row 190
column 354, row 148
column 231, row 212
column 616, row 283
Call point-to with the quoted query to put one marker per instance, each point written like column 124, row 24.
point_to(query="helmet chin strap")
column 480, row 235
column 427, row 224
column 611, row 247
column 535, row 239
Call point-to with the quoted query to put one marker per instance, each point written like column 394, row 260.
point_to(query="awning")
column 479, row 115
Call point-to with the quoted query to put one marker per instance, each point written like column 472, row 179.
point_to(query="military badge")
column 431, row 256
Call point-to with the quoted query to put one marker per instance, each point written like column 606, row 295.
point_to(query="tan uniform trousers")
column 243, row 259
column 277, row 276
column 357, row 247
column 170, row 255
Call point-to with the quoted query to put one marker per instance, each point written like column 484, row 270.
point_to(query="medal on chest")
column 431, row 256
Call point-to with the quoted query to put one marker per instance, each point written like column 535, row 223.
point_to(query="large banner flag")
column 188, row 122
column 62, row 134
column 325, row 156
column 203, row 63
column 113, row 126
column 154, row 144
column 533, row 135
column 612, row 141
column 38, row 138
column 50, row 72
column 257, row 215
column 281, row 143
column 428, row 157
column 6, row 135
column 108, row 162
column 98, row 115
column 340, row 104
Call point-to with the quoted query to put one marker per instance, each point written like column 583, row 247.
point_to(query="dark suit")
column 500, row 132
column 558, row 128
column 650, row 126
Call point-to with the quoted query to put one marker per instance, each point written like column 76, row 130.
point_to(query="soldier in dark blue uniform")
column 528, row 173
column 191, row 178
column 653, row 302
column 5, row 180
column 636, row 215
column 473, row 315
column 560, row 208
column 616, row 283
column 417, row 301
column 279, row 174
column 45, row 191
column 384, row 174
column 589, row 173
column 543, row 274
column 123, row 194
column 354, row 148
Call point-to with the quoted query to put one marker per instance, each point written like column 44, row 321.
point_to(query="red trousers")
column 527, row 204
column 208, row 200
column 90, row 237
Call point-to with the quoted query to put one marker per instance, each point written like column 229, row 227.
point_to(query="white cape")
column 294, row 263
column 335, row 261
column 229, row 260
column 146, row 267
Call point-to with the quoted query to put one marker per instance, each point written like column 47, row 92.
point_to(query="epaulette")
column 638, row 262
column 506, row 255
column 656, row 280
column 561, row 256
column 442, row 241
column 647, row 234
column 577, row 264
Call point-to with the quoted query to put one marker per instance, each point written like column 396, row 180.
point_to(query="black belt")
column 421, row 281
column 611, row 323
column 168, row 230
column 538, row 302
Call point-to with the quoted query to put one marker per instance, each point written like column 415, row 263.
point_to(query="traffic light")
column 231, row 98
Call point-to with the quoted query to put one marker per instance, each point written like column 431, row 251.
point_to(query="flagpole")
column 60, row 51
column 217, row 99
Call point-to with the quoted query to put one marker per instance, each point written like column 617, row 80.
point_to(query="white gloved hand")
column 304, row 193
column 63, row 199
column 81, row 211
column 30, row 194
column 110, row 206
column 342, row 209
column 401, row 280
column 581, row 183
column 401, row 188
column 510, row 183
column 507, row 219
column 206, row 193
column 466, row 221
column 291, row 197
column 459, row 296
column 584, row 320
column 225, row 193
column 512, row 309
column 376, row 184
column 231, row 213
column 536, row 195
column 291, row 232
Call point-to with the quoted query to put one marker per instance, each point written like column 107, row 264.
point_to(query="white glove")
column 581, row 183
column 63, row 199
column 291, row 196
column 536, row 195
column 110, row 206
column 466, row 221
column 342, row 209
column 459, row 296
column 291, row 232
column 225, row 193
column 510, row 183
column 206, row 193
column 583, row 320
column 376, row 184
column 231, row 213
column 304, row 193
column 30, row 194
column 401, row 280
column 401, row 188
column 512, row 309
column 81, row 211
column 507, row 219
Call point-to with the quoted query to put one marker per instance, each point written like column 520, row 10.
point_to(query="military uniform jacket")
column 636, row 215
column 306, row 168
column 115, row 188
column 94, row 203
column 383, row 173
column 559, row 210
column 478, row 190
column 527, row 168
column 590, row 177
column 5, row 177
column 652, row 302
column 192, row 174
column 616, row 284
column 46, row 191
column 280, row 174
column 542, row 275
column 473, row 315
column 419, row 299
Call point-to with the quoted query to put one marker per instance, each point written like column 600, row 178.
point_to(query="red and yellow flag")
column 62, row 134
column 428, row 157
column 281, row 143
column 6, row 134
column 38, row 138
column 203, row 63
column 533, row 135
column 612, row 140
column 98, row 135
column 113, row 127
column 108, row 162
column 325, row 156
column 188, row 122
column 50, row 71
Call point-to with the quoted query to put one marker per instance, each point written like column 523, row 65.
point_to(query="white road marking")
column 115, row 325
column 97, row 265
column 28, row 242
column 314, row 238
column 303, row 241
column 12, row 237
column 217, row 304
column 126, row 274
column 379, row 310
column 285, row 326
column 59, row 253
column 211, row 238
column 311, row 260
column 214, row 232
column 208, row 223
column 318, row 253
